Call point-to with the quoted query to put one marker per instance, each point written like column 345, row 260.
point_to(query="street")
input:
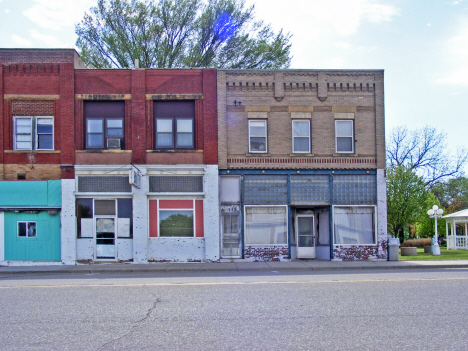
column 240, row 310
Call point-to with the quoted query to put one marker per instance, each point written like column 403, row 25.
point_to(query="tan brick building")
column 301, row 160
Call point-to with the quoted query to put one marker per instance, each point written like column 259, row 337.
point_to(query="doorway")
column 305, row 236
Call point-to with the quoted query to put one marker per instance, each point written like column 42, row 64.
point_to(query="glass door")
column 105, row 220
column 105, row 238
column 231, row 236
column 305, row 236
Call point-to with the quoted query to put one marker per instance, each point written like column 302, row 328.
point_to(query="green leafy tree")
column 406, row 194
column 452, row 194
column 179, row 33
column 426, row 225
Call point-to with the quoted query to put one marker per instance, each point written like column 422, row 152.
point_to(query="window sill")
column 259, row 154
column 103, row 151
column 302, row 155
column 171, row 151
column 350, row 154
column 32, row 151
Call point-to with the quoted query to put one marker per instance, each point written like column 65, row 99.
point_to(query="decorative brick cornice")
column 174, row 96
column 103, row 96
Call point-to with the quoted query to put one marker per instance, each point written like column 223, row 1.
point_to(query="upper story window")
column 104, row 125
column 344, row 136
column 174, row 124
column 301, row 136
column 258, row 136
column 33, row 133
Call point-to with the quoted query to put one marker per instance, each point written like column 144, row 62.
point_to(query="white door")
column 305, row 236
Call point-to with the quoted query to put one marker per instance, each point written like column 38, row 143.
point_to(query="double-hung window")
column 257, row 136
column 174, row 124
column 301, row 136
column 104, row 124
column 344, row 136
column 33, row 133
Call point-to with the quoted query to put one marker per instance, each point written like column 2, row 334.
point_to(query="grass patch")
column 445, row 255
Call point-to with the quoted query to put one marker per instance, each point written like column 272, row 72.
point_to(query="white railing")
column 457, row 242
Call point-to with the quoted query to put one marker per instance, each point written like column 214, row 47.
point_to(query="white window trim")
column 266, row 136
column 262, row 245
column 33, row 132
column 292, row 137
column 352, row 137
column 375, row 225
column 27, row 222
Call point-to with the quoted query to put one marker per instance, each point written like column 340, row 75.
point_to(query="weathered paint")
column 176, row 249
column 68, row 218
column 382, row 215
column 44, row 247
column 140, row 219
column 211, row 213
column 124, row 249
column 265, row 253
column 85, row 249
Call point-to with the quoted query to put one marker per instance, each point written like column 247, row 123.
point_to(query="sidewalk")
column 312, row 265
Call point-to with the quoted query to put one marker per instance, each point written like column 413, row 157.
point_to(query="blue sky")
column 421, row 44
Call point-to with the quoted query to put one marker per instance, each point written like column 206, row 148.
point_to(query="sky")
column 421, row 44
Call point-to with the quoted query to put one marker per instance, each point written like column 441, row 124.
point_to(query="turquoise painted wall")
column 44, row 247
column 30, row 193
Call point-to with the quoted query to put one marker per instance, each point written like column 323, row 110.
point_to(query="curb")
column 233, row 268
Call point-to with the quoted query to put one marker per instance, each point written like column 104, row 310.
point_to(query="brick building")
column 301, row 162
column 96, row 129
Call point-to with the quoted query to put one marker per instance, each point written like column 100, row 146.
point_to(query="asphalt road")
column 358, row 310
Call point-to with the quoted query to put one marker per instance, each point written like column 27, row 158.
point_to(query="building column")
column 68, row 222
column 140, row 219
column 211, row 213
column 382, row 237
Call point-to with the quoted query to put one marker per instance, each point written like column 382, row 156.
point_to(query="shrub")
column 417, row 242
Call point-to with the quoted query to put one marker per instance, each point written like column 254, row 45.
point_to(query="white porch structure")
column 454, row 241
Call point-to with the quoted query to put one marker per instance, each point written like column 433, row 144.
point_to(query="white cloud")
column 55, row 14
column 342, row 45
column 21, row 41
column 343, row 17
column 457, row 52
column 50, row 40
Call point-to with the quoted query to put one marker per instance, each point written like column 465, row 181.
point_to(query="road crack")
column 136, row 324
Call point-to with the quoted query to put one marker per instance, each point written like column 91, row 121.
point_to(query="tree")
column 424, row 151
column 179, row 33
column 406, row 194
column 452, row 194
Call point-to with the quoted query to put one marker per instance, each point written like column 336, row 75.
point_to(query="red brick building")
column 91, row 128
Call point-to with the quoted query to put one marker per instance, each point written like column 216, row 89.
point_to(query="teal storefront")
column 30, row 214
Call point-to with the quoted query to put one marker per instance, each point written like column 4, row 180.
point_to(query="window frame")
column 374, row 224
column 309, row 136
column 104, row 133
column 174, row 133
column 27, row 227
column 346, row 136
column 265, row 121
column 33, row 132
column 245, row 234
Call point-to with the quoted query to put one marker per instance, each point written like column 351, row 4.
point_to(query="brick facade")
column 54, row 82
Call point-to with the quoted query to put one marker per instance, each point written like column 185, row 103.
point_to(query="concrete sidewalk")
column 311, row 265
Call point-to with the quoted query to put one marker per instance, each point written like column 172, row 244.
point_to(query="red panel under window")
column 175, row 204
column 199, row 218
column 153, row 218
